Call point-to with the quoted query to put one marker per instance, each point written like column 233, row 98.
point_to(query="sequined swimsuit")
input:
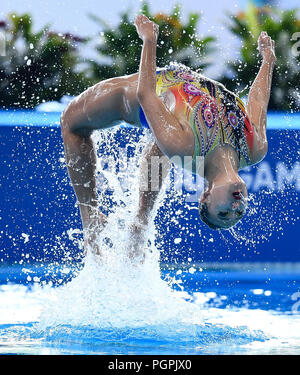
column 216, row 115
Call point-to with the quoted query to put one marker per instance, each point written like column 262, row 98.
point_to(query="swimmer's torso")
column 216, row 115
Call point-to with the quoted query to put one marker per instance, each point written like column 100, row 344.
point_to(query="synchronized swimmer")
column 189, row 115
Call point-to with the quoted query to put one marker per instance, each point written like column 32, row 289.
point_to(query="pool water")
column 112, row 306
column 196, row 309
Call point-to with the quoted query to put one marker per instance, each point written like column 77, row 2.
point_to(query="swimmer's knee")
column 69, row 129
column 66, row 123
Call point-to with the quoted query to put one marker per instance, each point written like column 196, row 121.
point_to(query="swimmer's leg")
column 81, row 162
column 259, row 95
column 154, row 168
column 99, row 107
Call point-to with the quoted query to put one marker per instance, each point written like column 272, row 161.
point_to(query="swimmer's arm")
column 148, row 32
column 259, row 96
column 260, row 90
column 172, row 137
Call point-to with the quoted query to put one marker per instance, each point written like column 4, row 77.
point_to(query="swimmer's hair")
column 203, row 213
column 204, row 216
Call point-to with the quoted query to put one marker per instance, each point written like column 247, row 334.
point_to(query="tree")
column 281, row 26
column 38, row 66
column 176, row 42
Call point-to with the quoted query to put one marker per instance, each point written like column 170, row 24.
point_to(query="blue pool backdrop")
column 37, row 205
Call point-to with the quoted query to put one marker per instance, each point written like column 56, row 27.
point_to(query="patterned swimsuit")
column 216, row 115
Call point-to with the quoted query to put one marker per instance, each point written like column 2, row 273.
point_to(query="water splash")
column 114, row 305
column 116, row 298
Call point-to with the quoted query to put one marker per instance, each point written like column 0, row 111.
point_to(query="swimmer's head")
column 222, row 206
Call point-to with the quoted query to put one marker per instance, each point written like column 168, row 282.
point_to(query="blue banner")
column 40, row 222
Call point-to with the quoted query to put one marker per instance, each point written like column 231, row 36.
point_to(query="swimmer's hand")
column 266, row 47
column 146, row 29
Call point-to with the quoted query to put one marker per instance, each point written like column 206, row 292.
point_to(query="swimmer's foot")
column 136, row 251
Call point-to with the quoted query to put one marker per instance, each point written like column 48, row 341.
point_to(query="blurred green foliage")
column 280, row 25
column 39, row 66
column 177, row 41
column 44, row 65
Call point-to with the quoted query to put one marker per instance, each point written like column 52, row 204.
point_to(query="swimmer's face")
column 225, row 204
